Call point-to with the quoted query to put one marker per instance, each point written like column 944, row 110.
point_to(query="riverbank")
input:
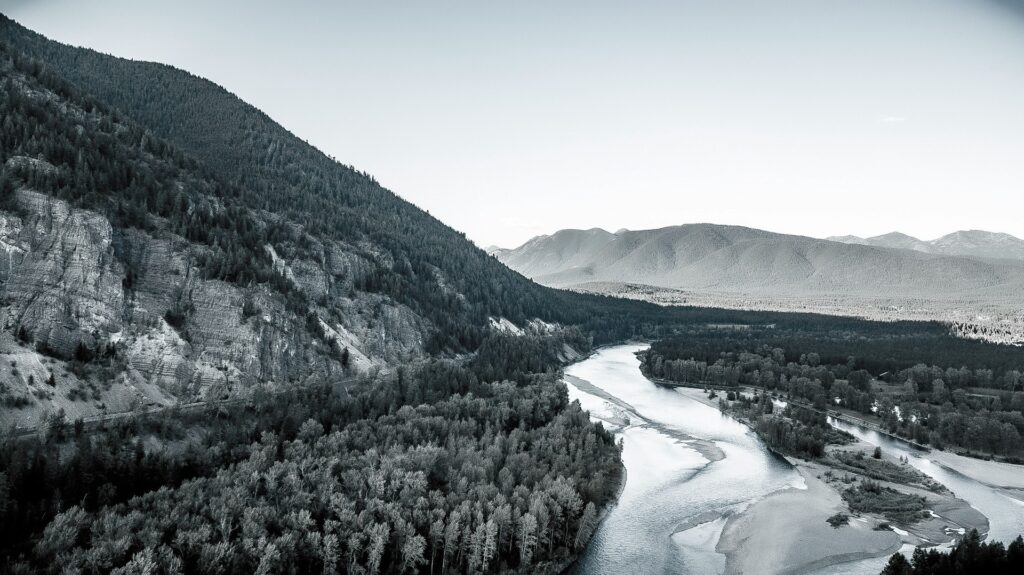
column 789, row 532
column 705, row 495
column 570, row 564
column 995, row 474
column 948, row 516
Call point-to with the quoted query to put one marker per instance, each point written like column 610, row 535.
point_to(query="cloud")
column 892, row 120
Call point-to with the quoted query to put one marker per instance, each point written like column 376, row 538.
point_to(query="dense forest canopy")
column 426, row 469
column 468, row 465
column 929, row 387
column 878, row 347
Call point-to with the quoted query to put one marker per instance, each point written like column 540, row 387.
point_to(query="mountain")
column 166, row 242
column 733, row 259
column 980, row 244
column 849, row 240
column 974, row 243
column 133, row 276
column 420, row 262
column 894, row 240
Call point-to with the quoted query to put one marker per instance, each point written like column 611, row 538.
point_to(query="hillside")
column 133, row 277
column 167, row 243
column 331, row 316
column 417, row 261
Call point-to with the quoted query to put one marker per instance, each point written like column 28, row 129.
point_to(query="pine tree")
column 490, row 549
column 527, row 539
column 412, row 553
column 329, row 553
column 354, row 549
column 897, row 565
column 451, row 538
column 436, row 539
column 378, row 535
column 587, row 523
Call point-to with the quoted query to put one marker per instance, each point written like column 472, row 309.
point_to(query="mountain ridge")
column 974, row 243
column 737, row 258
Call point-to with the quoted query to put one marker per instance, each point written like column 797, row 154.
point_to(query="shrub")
column 838, row 520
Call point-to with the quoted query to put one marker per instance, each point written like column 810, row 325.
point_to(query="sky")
column 511, row 119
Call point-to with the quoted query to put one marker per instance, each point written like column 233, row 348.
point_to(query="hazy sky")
column 510, row 119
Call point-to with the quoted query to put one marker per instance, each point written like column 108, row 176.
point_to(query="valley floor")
column 992, row 318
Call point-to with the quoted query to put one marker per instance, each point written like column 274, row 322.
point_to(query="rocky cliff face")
column 60, row 275
column 99, row 320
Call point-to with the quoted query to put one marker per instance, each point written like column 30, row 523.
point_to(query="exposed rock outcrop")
column 61, row 278
column 95, row 305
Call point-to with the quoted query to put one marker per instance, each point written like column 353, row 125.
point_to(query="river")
column 686, row 463
column 1005, row 514
column 668, row 482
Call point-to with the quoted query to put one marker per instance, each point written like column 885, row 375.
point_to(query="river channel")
column 687, row 464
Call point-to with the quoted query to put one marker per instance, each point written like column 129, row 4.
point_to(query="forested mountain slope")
column 419, row 261
column 167, row 242
column 133, row 276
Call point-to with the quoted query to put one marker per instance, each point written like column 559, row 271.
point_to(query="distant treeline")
column 878, row 347
column 960, row 401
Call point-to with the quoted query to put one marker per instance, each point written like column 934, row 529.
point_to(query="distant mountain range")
column 732, row 259
column 974, row 243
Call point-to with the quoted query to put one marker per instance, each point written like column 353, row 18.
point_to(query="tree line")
column 970, row 406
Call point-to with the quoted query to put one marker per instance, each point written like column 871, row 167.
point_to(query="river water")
column 668, row 482
column 1005, row 514
column 686, row 463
